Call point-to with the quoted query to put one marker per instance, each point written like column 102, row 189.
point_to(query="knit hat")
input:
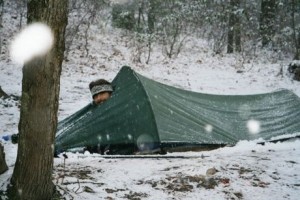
column 101, row 88
column 100, row 85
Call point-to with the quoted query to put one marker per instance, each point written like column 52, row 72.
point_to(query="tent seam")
column 148, row 101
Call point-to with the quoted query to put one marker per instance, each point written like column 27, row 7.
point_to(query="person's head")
column 101, row 90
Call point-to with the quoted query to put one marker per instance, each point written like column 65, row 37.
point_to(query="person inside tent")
column 101, row 90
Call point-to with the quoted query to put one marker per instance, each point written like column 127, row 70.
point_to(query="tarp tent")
column 143, row 114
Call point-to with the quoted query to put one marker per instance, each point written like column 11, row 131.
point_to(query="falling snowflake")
column 129, row 137
column 34, row 40
column 99, row 137
column 20, row 191
column 253, row 126
column 208, row 128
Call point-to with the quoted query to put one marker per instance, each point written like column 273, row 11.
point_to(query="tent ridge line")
column 148, row 100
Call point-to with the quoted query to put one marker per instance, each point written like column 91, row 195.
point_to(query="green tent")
column 144, row 115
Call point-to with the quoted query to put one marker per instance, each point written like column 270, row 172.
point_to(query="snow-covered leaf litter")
column 247, row 171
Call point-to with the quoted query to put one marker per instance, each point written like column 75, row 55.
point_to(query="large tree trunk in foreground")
column 3, row 165
column 32, row 176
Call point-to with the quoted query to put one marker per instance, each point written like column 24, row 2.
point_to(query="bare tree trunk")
column 237, row 31
column 267, row 20
column 230, row 34
column 296, row 39
column 3, row 165
column 297, row 56
column 151, row 19
column 1, row 14
column 151, row 16
column 234, row 28
column 140, row 16
column 2, row 93
column 32, row 176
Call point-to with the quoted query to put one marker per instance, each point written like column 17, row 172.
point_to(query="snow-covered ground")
column 246, row 171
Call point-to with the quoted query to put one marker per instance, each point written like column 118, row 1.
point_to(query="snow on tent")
column 144, row 115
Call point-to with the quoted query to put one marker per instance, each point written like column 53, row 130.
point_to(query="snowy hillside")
column 246, row 171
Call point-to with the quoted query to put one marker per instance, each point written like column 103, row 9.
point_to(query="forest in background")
column 230, row 26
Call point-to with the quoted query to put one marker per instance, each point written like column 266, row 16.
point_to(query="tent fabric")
column 143, row 114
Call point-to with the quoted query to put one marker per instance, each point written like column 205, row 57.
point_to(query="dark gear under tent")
column 144, row 115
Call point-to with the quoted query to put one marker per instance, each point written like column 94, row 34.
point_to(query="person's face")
column 101, row 97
